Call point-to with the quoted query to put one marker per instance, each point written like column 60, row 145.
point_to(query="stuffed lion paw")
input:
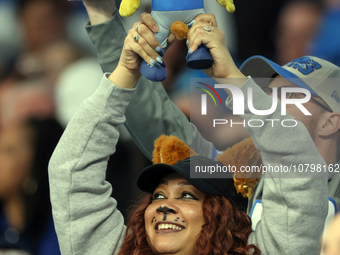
column 228, row 4
column 127, row 8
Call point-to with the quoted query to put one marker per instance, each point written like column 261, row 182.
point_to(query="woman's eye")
column 158, row 196
column 188, row 195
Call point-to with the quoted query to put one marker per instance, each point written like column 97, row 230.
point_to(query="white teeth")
column 168, row 226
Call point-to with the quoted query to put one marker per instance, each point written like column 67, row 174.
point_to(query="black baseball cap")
column 150, row 177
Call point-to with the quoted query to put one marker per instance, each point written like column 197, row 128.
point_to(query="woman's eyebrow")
column 184, row 183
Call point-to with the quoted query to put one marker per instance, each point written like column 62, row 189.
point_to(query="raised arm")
column 295, row 205
column 86, row 217
column 151, row 113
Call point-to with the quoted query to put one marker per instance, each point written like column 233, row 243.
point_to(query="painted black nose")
column 165, row 210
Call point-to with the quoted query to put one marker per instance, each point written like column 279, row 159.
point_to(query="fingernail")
column 159, row 50
column 189, row 51
column 154, row 29
column 154, row 63
column 191, row 23
column 159, row 60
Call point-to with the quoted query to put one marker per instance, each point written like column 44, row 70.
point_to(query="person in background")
column 26, row 223
column 325, row 43
column 296, row 28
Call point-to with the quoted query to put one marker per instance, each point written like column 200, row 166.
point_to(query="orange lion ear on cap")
column 170, row 149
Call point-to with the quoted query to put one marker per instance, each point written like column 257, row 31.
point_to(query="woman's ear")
column 329, row 123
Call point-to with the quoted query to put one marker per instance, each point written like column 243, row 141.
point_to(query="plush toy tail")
column 180, row 29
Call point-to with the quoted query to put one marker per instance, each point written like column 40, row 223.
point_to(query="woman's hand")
column 223, row 65
column 140, row 43
column 147, row 47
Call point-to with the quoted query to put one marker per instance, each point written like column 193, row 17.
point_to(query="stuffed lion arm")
column 128, row 7
column 228, row 4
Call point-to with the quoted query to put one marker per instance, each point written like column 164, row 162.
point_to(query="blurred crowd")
column 48, row 67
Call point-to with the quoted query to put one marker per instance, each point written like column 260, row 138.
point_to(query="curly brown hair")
column 225, row 232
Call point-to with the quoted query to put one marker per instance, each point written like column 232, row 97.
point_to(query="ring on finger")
column 136, row 27
column 207, row 29
column 136, row 38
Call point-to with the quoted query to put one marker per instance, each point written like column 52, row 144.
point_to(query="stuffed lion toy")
column 174, row 16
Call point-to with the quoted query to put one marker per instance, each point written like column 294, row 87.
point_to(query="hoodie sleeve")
column 295, row 204
column 86, row 217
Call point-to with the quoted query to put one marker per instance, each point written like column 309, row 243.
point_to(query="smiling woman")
column 174, row 217
column 185, row 216
column 171, row 218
